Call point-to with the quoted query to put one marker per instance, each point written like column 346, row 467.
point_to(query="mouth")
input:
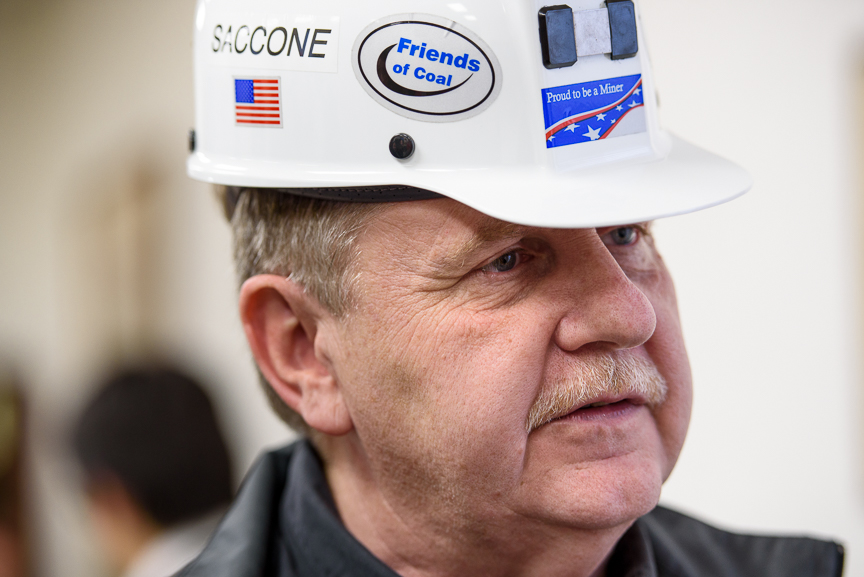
column 600, row 386
column 603, row 409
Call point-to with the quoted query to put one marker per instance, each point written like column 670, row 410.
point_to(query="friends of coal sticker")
column 591, row 111
column 426, row 68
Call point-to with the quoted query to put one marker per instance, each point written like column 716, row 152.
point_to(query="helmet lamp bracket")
column 566, row 35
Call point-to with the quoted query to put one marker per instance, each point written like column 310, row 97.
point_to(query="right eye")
column 504, row 263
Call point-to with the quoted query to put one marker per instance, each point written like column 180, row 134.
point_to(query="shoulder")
column 686, row 547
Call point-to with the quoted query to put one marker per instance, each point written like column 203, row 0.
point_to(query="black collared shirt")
column 284, row 524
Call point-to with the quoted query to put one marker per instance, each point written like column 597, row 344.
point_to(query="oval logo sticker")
column 426, row 68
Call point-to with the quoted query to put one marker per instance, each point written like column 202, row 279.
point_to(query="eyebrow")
column 495, row 231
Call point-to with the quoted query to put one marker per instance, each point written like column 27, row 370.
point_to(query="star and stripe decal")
column 593, row 111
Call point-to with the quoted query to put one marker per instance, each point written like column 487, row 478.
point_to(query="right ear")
column 283, row 325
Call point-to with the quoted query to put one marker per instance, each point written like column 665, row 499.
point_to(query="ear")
column 285, row 326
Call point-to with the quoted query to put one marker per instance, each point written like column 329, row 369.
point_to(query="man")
column 157, row 472
column 470, row 323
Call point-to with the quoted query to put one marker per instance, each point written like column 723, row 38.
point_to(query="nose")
column 603, row 306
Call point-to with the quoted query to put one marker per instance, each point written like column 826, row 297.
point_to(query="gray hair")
column 309, row 240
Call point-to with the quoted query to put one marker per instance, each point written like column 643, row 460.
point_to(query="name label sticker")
column 426, row 67
column 303, row 43
column 595, row 110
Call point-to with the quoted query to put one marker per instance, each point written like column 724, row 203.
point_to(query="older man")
column 450, row 286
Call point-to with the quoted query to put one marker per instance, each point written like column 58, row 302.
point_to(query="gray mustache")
column 596, row 376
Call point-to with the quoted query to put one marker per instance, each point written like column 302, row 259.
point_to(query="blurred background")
column 110, row 255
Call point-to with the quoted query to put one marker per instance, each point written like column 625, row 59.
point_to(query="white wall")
column 95, row 104
column 92, row 129
column 770, row 285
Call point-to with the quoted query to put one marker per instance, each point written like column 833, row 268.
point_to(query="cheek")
column 451, row 359
column 666, row 348
column 448, row 391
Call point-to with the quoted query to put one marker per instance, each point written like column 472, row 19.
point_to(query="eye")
column 504, row 263
column 625, row 235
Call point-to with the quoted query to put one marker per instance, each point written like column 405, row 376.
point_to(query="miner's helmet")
column 538, row 114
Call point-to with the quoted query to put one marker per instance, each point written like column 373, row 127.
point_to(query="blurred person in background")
column 14, row 546
column 156, row 470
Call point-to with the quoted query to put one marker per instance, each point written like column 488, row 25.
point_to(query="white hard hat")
column 537, row 114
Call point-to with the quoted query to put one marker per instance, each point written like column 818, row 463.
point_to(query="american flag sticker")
column 258, row 102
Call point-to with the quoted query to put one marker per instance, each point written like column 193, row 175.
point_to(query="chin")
column 599, row 495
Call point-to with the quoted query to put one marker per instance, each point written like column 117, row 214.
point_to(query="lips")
column 603, row 407
column 600, row 402
column 595, row 405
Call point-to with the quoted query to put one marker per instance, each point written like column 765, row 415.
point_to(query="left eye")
column 625, row 235
column 503, row 263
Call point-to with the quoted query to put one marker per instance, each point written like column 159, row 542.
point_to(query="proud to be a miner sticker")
column 426, row 67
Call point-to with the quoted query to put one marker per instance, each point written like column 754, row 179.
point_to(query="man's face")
column 463, row 322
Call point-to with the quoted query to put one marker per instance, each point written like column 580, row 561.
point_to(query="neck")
column 425, row 537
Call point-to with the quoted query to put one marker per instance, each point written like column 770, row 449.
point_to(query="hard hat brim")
column 679, row 179
column 685, row 179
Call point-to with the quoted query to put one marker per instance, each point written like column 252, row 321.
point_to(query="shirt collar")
column 311, row 532
column 633, row 555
